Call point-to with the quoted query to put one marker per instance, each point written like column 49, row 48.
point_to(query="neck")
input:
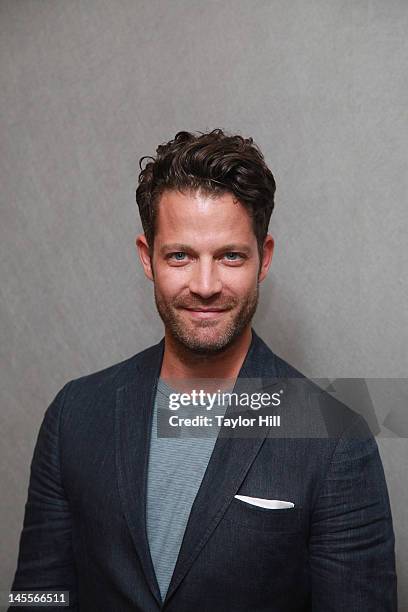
column 180, row 362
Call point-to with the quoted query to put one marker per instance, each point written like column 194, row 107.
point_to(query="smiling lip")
column 205, row 313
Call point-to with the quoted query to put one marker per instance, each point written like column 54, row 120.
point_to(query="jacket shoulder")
column 323, row 411
column 115, row 375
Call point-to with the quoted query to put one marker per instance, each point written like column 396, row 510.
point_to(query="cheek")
column 170, row 281
column 240, row 280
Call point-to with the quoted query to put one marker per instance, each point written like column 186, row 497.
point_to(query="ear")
column 268, row 247
column 144, row 254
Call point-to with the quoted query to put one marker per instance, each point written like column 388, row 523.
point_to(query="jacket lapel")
column 229, row 463
column 134, row 409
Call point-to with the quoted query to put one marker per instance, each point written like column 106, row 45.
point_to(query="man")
column 125, row 519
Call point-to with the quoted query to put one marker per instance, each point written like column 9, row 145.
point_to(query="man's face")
column 205, row 268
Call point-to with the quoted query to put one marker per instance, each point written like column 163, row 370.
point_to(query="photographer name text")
column 221, row 421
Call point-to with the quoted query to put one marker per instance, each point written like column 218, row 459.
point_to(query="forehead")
column 199, row 215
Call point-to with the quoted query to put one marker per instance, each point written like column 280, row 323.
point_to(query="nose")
column 205, row 281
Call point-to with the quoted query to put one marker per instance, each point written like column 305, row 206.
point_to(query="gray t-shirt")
column 175, row 470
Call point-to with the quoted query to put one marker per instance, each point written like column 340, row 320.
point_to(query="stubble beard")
column 193, row 336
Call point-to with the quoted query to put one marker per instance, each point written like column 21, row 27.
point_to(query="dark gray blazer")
column 85, row 528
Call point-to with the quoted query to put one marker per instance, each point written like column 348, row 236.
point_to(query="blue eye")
column 232, row 256
column 177, row 256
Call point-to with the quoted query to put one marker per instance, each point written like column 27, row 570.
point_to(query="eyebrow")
column 177, row 246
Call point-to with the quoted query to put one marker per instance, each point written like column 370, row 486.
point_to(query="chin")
column 207, row 340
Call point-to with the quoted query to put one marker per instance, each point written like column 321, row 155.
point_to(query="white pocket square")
column 272, row 504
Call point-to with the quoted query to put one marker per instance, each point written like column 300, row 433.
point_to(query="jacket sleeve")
column 45, row 560
column 352, row 557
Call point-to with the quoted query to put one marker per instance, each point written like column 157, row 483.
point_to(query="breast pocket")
column 286, row 520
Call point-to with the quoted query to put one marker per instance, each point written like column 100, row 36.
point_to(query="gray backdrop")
column 88, row 87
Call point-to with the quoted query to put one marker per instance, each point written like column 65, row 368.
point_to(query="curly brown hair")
column 212, row 163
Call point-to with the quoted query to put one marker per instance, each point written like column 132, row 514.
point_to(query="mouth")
column 205, row 313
